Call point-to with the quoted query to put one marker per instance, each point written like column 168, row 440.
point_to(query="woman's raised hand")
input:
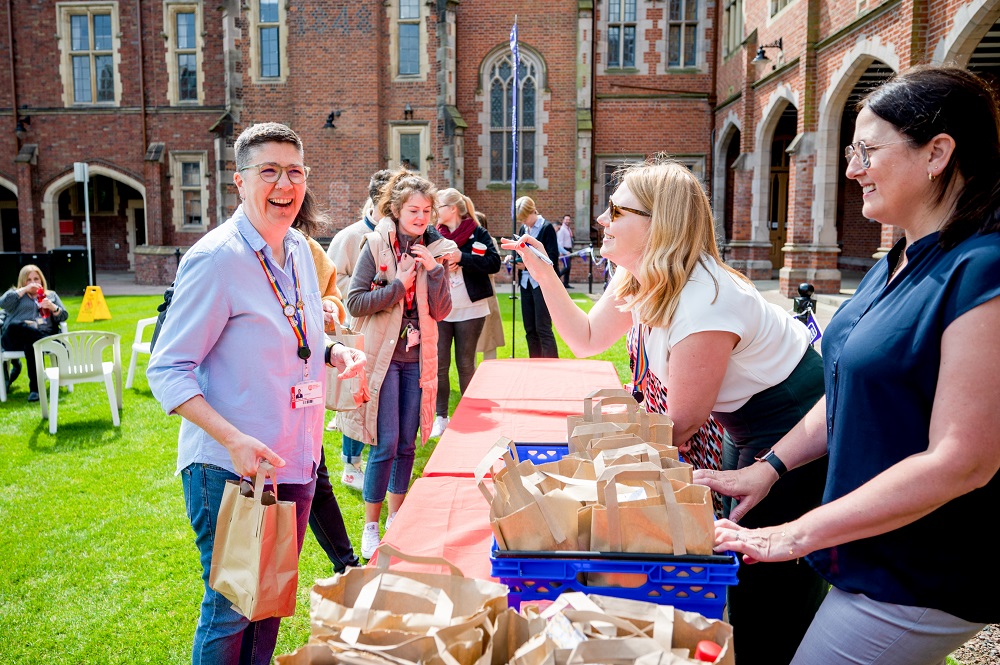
column 520, row 245
column 423, row 256
column 406, row 271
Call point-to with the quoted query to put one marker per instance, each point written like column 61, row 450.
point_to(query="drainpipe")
column 142, row 84
column 13, row 84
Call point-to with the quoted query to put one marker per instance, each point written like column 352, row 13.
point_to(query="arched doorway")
column 117, row 216
column 777, row 216
column 10, row 239
column 859, row 239
column 985, row 58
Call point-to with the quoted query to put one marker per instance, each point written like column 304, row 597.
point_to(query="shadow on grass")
column 85, row 435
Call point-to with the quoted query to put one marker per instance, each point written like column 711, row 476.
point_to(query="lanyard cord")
column 641, row 369
column 295, row 313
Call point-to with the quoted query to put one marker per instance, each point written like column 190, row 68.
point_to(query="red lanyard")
column 295, row 313
column 412, row 291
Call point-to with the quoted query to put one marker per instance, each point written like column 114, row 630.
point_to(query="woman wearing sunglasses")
column 703, row 342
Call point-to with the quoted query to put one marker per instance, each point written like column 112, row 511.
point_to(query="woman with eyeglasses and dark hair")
column 909, row 421
column 703, row 342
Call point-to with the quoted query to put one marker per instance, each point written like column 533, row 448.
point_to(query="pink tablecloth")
column 540, row 378
column 444, row 517
column 531, row 401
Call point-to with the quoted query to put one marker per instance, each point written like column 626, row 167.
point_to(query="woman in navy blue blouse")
column 909, row 419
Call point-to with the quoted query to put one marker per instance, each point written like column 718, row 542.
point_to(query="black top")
column 882, row 356
column 476, row 270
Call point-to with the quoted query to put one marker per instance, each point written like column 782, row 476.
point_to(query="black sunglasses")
column 617, row 210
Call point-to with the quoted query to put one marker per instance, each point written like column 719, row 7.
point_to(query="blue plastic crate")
column 540, row 453
column 690, row 583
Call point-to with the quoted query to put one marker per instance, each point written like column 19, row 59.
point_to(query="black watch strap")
column 772, row 459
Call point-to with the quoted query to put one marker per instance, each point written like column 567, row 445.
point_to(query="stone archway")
column 111, row 235
column 10, row 237
column 722, row 178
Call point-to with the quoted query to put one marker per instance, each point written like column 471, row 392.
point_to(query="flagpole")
column 513, row 182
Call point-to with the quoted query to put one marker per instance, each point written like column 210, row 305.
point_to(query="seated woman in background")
column 32, row 313
column 703, row 342
column 470, row 267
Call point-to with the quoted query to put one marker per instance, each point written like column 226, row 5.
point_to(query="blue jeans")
column 224, row 635
column 391, row 461
column 351, row 451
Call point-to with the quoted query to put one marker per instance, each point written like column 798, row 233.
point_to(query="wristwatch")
column 768, row 456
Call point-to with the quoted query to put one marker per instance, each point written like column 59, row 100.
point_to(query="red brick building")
column 152, row 94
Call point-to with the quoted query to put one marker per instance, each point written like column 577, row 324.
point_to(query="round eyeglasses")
column 863, row 151
column 269, row 172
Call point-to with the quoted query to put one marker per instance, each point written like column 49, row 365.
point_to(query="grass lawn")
column 101, row 563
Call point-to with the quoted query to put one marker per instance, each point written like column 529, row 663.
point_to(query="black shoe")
column 15, row 371
column 32, row 396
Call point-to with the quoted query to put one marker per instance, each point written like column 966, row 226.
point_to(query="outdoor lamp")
column 762, row 56
column 407, row 112
column 330, row 118
column 20, row 130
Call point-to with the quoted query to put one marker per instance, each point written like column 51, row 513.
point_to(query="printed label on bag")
column 307, row 393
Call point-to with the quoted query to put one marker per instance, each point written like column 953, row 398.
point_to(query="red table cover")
column 540, row 378
column 531, row 401
column 444, row 517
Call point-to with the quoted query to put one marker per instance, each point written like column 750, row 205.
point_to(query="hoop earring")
column 930, row 176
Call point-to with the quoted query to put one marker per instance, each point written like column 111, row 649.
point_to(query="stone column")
column 28, row 217
column 747, row 255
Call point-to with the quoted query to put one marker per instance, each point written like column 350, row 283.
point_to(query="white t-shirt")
column 771, row 342
column 462, row 308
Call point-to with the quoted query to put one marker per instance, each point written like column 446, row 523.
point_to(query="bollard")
column 805, row 302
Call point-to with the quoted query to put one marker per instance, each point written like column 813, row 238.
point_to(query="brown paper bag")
column 377, row 599
column 255, row 557
column 525, row 518
column 678, row 520
column 652, row 427
column 346, row 394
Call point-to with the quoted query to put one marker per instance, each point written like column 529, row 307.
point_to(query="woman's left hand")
column 424, row 257
column 49, row 305
column 773, row 543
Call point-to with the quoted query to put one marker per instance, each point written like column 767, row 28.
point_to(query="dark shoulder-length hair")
column 925, row 101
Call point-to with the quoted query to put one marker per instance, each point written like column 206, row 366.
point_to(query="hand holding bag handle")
column 607, row 490
column 264, row 469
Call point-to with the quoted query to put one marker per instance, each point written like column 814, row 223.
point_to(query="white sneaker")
column 353, row 477
column 332, row 425
column 440, row 425
column 388, row 522
column 369, row 540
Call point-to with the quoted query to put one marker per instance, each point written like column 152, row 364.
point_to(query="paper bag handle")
column 607, row 490
column 390, row 551
column 528, row 494
column 592, row 414
column 492, row 455
column 264, row 469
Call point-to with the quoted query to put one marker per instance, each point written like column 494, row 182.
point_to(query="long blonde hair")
column 681, row 234
column 452, row 197
column 22, row 276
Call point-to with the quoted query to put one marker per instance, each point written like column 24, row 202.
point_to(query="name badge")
column 306, row 394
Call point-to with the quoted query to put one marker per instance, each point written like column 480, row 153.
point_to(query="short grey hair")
column 257, row 135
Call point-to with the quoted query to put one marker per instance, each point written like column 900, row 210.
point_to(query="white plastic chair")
column 138, row 346
column 77, row 357
column 7, row 356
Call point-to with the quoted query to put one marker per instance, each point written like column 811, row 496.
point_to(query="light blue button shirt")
column 226, row 337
